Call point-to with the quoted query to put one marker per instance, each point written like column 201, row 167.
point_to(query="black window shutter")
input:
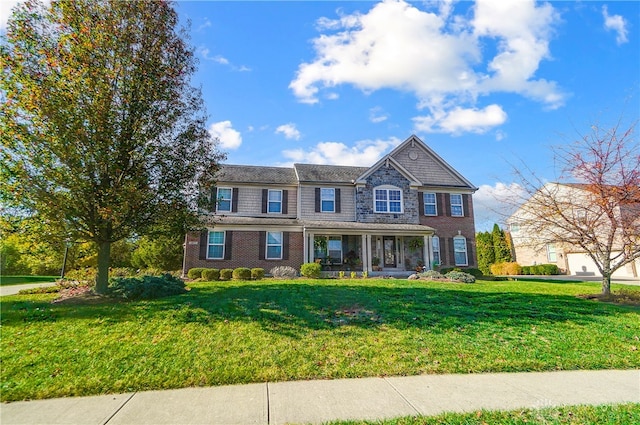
column 337, row 192
column 204, row 240
column 228, row 243
column 465, row 205
column 440, row 203
column 285, row 202
column 447, row 204
column 285, row 245
column 262, row 244
column 214, row 199
column 421, row 203
column 452, row 253
column 234, row 200
column 317, row 199
column 265, row 197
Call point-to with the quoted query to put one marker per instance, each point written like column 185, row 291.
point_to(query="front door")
column 389, row 243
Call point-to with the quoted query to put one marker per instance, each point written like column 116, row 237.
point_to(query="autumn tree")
column 595, row 206
column 103, row 135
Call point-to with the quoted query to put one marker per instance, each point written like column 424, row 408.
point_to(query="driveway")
column 14, row 289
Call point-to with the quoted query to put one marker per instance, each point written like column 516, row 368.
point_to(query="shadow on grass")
column 294, row 309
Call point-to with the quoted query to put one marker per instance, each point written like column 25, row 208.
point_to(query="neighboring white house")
column 541, row 232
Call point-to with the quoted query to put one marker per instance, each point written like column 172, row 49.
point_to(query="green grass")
column 19, row 280
column 578, row 415
column 240, row 332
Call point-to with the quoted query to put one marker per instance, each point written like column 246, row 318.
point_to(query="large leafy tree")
column 103, row 134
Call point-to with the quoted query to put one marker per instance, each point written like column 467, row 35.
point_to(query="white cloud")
column 494, row 204
column 289, row 130
column 364, row 153
column 206, row 54
column 437, row 56
column 459, row 120
column 377, row 115
column 229, row 138
column 615, row 23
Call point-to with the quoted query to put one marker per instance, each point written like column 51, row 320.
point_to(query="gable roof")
column 257, row 174
column 388, row 161
column 314, row 173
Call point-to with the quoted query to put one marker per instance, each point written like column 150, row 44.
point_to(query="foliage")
column 195, row 273
column 145, row 287
column 510, row 269
column 460, row 277
column 477, row 273
column 226, row 274
column 210, row 274
column 354, row 275
column 431, row 274
column 241, row 273
column 267, row 331
column 486, row 252
column 158, row 251
column 283, row 272
column 103, row 136
column 87, row 274
column 311, row 270
column 500, row 246
column 541, row 269
column 257, row 273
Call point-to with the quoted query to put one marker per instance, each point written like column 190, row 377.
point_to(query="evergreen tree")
column 486, row 253
column 500, row 246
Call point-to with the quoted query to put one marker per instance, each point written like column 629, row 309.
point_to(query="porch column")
column 309, row 248
column 428, row 252
column 367, row 249
column 363, row 253
column 305, row 246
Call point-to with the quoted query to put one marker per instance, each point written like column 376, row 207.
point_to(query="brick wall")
column 244, row 253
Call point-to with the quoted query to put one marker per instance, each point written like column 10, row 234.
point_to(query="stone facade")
column 386, row 176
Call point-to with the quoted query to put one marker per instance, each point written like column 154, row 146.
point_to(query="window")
column 435, row 244
column 274, row 203
column 274, row 246
column 515, row 227
column 328, row 248
column 430, row 206
column 335, row 249
column 215, row 247
column 224, row 199
column 552, row 257
column 460, row 250
column 327, row 200
column 388, row 200
column 456, row 205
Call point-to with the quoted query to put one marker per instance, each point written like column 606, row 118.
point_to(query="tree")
column 486, row 252
column 159, row 252
column 103, row 135
column 599, row 209
column 502, row 251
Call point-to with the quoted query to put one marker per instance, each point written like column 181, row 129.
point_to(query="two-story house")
column 408, row 210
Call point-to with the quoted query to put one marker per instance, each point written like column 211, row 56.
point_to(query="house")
column 552, row 240
column 409, row 209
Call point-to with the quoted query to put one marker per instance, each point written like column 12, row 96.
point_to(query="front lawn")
column 240, row 332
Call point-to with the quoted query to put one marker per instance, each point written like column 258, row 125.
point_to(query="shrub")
column 474, row 272
column 549, row 269
column 145, row 287
column 460, row 277
column 257, row 273
column 431, row 274
column 210, row 274
column 341, row 274
column 354, row 275
column 526, row 270
column 226, row 274
column 311, row 270
column 284, row 272
column 195, row 273
column 241, row 273
column 445, row 270
column 86, row 275
column 122, row 272
column 506, row 269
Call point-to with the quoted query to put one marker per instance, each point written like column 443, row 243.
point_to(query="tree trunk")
column 606, row 284
column 104, row 259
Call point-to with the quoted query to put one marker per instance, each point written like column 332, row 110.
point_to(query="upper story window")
column 274, row 203
column 327, row 200
column 274, row 246
column 514, row 227
column 388, row 199
column 430, row 205
column 460, row 250
column 215, row 246
column 224, row 198
column 456, row 205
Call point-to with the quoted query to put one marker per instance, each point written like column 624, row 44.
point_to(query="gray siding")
column 425, row 167
column 250, row 201
column 347, row 204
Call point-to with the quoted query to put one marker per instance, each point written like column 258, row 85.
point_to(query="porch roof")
column 321, row 226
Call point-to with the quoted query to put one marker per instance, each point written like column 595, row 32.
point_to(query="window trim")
column 219, row 199
column 466, row 254
column 267, row 245
column 387, row 189
column 435, row 248
column 461, row 204
column 332, row 200
column 551, row 250
column 269, row 201
column 434, row 203
column 209, row 244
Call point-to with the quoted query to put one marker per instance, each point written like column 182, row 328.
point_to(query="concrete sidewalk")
column 315, row 402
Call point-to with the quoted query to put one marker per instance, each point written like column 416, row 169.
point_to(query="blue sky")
column 486, row 84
